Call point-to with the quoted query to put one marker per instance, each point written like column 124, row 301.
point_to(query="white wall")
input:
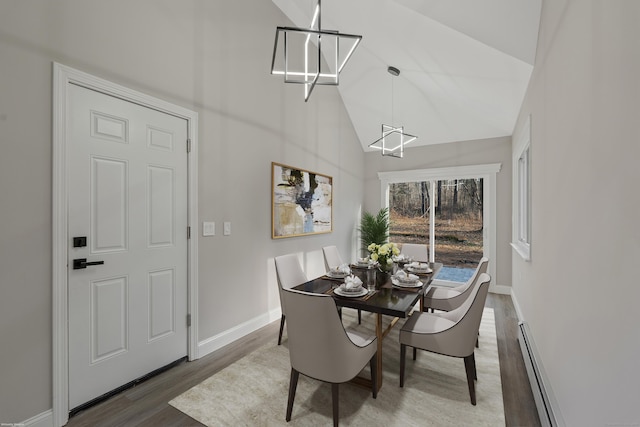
column 580, row 292
column 209, row 56
column 463, row 153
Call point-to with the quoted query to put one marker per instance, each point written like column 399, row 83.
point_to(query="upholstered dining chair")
column 321, row 348
column 289, row 273
column 333, row 259
column 446, row 298
column 452, row 334
column 415, row 251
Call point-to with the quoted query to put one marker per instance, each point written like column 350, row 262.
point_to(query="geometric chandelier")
column 393, row 138
column 311, row 56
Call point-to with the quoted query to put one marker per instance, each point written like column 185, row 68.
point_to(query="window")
column 522, row 192
column 485, row 174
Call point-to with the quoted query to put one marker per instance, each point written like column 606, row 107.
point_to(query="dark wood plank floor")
column 147, row 404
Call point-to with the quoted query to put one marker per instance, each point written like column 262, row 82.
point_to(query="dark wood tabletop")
column 386, row 299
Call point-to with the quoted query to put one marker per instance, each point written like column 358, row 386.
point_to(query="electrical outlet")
column 227, row 228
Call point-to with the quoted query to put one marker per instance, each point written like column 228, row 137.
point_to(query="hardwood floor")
column 519, row 406
column 147, row 403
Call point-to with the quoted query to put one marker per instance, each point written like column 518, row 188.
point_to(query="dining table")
column 383, row 298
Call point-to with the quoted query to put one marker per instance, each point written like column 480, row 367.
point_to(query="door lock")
column 80, row 263
column 80, row 242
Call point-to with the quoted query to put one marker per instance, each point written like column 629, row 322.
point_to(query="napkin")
column 352, row 282
column 342, row 268
column 420, row 265
column 402, row 275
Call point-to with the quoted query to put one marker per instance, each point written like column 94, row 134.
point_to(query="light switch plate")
column 227, row 228
column 208, row 228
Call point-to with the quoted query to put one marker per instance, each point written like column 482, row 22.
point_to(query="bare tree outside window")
column 458, row 218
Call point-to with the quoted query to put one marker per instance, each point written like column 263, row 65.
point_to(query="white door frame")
column 62, row 77
column 487, row 172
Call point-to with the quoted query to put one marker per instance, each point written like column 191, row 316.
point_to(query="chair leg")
column 403, row 353
column 374, row 376
column 293, row 384
column 475, row 373
column 334, row 397
column 281, row 329
column 468, row 365
column 415, row 353
column 359, row 317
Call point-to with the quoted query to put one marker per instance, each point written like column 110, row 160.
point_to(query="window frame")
column 521, row 233
column 488, row 172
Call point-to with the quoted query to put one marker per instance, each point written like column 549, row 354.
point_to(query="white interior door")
column 128, row 196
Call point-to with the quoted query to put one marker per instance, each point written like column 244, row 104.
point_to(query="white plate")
column 337, row 274
column 405, row 281
column 416, row 284
column 420, row 271
column 340, row 292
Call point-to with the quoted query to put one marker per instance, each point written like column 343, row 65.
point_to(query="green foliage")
column 374, row 229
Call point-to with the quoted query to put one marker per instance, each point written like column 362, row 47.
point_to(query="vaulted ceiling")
column 464, row 64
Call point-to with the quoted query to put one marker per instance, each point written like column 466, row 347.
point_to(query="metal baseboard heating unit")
column 540, row 395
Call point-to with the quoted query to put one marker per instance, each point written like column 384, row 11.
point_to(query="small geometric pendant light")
column 393, row 138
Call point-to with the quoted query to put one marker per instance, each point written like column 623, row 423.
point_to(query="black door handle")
column 80, row 263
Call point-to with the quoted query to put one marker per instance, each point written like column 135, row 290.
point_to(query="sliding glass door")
column 452, row 209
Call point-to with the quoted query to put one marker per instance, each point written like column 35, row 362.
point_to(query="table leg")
column 379, row 336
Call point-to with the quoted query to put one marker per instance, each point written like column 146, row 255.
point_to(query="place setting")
column 365, row 262
column 351, row 288
column 418, row 268
column 339, row 272
column 402, row 259
column 402, row 279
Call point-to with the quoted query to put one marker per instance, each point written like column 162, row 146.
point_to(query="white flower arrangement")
column 384, row 254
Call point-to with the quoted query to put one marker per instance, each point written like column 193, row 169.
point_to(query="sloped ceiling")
column 465, row 64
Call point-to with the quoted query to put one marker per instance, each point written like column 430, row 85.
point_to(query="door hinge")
column 188, row 320
column 188, row 232
column 188, row 145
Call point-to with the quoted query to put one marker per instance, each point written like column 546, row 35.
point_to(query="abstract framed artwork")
column 301, row 202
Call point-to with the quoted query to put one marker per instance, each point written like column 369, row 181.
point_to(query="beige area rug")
column 253, row 390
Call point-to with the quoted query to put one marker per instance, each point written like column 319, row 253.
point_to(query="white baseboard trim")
column 44, row 419
column 514, row 299
column 500, row 289
column 222, row 339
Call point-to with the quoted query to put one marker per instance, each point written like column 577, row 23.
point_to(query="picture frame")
column 301, row 202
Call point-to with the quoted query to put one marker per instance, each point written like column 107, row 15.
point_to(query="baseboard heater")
column 540, row 395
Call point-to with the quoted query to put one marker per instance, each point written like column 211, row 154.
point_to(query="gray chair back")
column 289, row 273
column 319, row 346
column 332, row 257
column 481, row 268
column 417, row 252
column 447, row 299
column 460, row 339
